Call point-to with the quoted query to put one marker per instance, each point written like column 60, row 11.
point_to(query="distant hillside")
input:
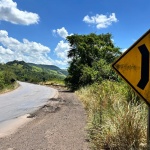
column 51, row 67
column 32, row 72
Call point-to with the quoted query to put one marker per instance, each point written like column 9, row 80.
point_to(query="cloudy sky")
column 35, row 30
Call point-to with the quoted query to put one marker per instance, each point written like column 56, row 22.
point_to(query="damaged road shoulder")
column 52, row 106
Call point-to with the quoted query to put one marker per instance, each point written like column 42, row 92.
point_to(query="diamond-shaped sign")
column 134, row 66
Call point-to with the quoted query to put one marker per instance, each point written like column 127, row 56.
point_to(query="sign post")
column 134, row 67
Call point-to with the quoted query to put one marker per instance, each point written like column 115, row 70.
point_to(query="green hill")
column 51, row 67
column 34, row 73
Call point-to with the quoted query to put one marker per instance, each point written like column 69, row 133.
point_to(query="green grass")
column 10, row 87
column 117, row 118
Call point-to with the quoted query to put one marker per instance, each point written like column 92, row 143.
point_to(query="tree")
column 91, row 56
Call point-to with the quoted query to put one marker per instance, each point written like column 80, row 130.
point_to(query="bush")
column 2, row 83
column 114, row 122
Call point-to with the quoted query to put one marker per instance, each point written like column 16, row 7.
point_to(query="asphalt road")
column 25, row 99
column 62, row 129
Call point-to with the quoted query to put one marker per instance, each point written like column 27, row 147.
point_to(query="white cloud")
column 29, row 51
column 61, row 51
column 123, row 50
column 9, row 12
column 62, row 32
column 62, row 47
column 4, row 51
column 61, row 63
column 100, row 20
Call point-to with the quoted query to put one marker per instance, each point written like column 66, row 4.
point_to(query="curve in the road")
column 23, row 100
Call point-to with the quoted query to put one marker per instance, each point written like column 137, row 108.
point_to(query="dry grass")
column 114, row 121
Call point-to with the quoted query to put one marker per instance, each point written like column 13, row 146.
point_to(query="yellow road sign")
column 134, row 66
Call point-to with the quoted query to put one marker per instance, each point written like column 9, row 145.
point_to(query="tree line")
column 90, row 59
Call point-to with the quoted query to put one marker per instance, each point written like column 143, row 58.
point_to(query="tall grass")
column 117, row 119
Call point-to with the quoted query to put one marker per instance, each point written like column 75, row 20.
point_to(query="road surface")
column 63, row 129
column 25, row 99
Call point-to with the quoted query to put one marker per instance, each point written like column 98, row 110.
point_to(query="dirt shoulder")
column 59, row 125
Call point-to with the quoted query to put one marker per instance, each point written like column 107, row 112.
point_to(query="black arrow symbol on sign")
column 144, row 66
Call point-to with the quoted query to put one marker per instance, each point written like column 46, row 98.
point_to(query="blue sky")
column 35, row 30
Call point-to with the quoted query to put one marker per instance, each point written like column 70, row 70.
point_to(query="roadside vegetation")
column 117, row 118
column 7, row 81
